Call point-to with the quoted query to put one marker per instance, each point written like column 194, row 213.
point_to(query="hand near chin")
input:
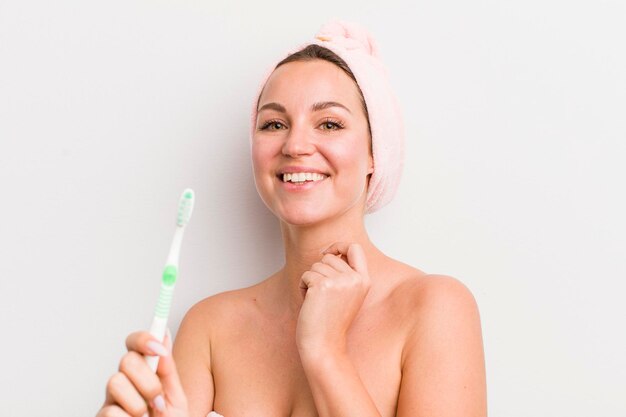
column 335, row 287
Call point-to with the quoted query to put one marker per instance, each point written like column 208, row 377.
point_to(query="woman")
column 341, row 329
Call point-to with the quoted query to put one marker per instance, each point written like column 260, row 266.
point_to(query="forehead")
column 305, row 82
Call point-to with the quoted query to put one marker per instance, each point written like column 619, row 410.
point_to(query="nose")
column 298, row 143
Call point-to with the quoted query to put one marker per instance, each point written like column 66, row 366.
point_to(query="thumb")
column 356, row 259
column 172, row 387
column 168, row 339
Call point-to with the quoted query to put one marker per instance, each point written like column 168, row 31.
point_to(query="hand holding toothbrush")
column 135, row 390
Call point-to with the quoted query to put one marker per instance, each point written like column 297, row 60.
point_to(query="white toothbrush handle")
column 170, row 275
column 162, row 311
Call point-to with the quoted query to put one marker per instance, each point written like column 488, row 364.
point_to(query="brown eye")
column 273, row 125
column 331, row 125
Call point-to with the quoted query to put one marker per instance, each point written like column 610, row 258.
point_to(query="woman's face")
column 311, row 126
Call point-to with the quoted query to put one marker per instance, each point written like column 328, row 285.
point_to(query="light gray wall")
column 513, row 182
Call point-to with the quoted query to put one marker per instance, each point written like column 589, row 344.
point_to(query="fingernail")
column 157, row 348
column 146, row 415
column 159, row 403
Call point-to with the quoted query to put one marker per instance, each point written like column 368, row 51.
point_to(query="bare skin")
column 346, row 332
column 255, row 360
column 257, row 369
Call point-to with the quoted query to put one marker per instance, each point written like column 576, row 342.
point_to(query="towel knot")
column 349, row 36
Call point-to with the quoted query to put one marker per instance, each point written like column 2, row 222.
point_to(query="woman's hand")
column 334, row 288
column 136, row 391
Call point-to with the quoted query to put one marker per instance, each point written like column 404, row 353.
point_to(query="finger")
column 143, row 342
column 323, row 268
column 338, row 248
column 135, row 367
column 336, row 263
column 168, row 374
column 354, row 254
column 122, row 392
column 112, row 411
column 309, row 278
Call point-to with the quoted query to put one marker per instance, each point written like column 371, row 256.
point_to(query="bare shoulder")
column 435, row 291
column 436, row 299
column 421, row 291
column 442, row 360
column 193, row 346
column 205, row 320
column 213, row 312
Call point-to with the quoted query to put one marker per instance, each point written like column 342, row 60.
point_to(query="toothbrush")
column 170, row 274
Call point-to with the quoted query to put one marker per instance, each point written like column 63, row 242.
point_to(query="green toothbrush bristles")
column 185, row 207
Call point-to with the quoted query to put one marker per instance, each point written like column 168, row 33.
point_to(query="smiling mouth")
column 301, row 177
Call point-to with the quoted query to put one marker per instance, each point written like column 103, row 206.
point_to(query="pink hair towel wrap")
column 355, row 45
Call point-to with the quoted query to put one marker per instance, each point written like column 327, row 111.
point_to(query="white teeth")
column 303, row 176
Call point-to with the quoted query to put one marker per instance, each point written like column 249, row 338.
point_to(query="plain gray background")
column 516, row 142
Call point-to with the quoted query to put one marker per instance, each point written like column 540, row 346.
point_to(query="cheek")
column 351, row 155
column 262, row 154
column 261, row 166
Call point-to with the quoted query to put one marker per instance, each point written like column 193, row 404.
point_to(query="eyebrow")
column 315, row 107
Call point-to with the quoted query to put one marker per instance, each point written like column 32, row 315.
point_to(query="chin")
column 301, row 215
column 310, row 214
column 314, row 209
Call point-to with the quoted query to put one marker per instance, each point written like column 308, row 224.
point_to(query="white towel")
column 214, row 414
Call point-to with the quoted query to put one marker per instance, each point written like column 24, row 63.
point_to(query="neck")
column 304, row 245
